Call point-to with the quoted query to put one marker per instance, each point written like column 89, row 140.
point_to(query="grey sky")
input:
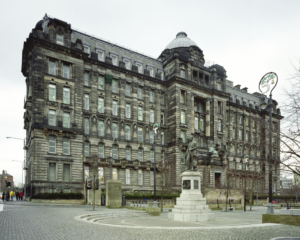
column 248, row 38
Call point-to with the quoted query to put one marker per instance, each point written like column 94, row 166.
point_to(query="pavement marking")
column 1, row 207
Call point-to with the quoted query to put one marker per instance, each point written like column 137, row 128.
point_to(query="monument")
column 113, row 193
column 191, row 205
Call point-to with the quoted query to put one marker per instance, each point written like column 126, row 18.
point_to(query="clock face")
column 268, row 82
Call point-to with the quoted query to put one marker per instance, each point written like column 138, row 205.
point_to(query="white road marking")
column 1, row 207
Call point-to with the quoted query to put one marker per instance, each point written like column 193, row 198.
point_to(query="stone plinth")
column 113, row 193
column 191, row 205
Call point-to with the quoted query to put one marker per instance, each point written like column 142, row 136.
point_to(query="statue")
column 190, row 154
column 213, row 152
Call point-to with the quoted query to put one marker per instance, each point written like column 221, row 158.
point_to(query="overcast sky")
column 248, row 38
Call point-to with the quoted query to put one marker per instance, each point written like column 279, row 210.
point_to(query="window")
column 151, row 178
column 253, row 123
column 233, row 149
column 101, row 150
column 66, row 70
column 151, row 156
column 66, row 120
column 162, row 137
column 86, row 102
column 240, row 134
column 52, row 92
column 140, row 93
column 128, row 110
column 219, row 142
column 196, row 123
column 219, row 86
column 232, row 118
column 182, row 73
column 162, row 157
column 115, row 108
column 182, row 157
column 161, row 74
column 140, row 134
column 246, row 121
column 66, row 146
column 127, row 176
column 66, row 95
column 140, row 154
column 52, row 67
column 127, row 90
column 101, row 82
column 128, row 153
column 253, row 138
column 151, row 136
column 240, row 150
column 86, row 149
column 115, row 130
column 182, row 97
column 127, row 132
column 114, row 59
column 100, row 55
column 127, row 63
column 140, row 67
column 240, row 120
column 162, row 99
column 52, row 118
column 219, row 125
column 182, row 135
column 202, row 124
column 114, row 86
column 86, row 49
column 66, row 172
column 86, row 79
column 101, row 128
column 115, row 152
column 151, row 115
column 140, row 177
column 219, row 107
column 101, row 105
column 182, row 117
column 86, row 126
column 151, row 70
column 247, row 136
column 59, row 39
column 258, row 153
column 52, row 144
column 240, row 166
column 115, row 174
column 162, row 118
column 151, row 96
column 233, row 133
column 52, row 171
column 140, row 113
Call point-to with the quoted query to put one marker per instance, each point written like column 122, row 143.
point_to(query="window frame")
column 49, row 118
column 128, row 110
column 86, row 102
column 66, row 74
column 52, row 68
column 127, row 173
column 66, row 114
column 52, row 140
column 86, row 149
column 100, row 102
column 182, row 116
column 151, row 118
column 101, row 79
column 140, row 113
column 100, row 123
column 68, row 146
column 52, row 92
column 127, row 133
column 86, row 126
column 66, row 95
column 59, row 39
column 114, row 130
column 101, row 150
column 128, row 153
column 86, row 78
column 140, row 154
column 140, row 134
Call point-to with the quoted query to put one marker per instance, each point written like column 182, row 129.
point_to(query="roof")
column 6, row 174
column 181, row 40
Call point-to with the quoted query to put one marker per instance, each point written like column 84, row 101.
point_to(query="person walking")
column 21, row 195
column 11, row 194
column 17, row 195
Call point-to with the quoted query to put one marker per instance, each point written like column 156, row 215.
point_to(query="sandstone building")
column 87, row 96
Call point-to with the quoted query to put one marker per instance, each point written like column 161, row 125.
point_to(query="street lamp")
column 266, row 85
column 246, row 158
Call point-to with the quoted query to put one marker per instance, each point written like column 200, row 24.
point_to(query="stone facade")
column 86, row 97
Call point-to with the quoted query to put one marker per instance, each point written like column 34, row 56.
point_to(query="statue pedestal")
column 191, row 205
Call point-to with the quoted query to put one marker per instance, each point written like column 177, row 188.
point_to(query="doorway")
column 217, row 180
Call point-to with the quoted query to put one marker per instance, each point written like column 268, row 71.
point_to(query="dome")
column 181, row 40
column 220, row 69
column 39, row 25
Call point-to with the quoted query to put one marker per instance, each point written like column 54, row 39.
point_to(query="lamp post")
column 246, row 157
column 265, row 86
column 155, row 129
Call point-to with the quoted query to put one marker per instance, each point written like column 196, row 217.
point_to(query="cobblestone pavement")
column 37, row 221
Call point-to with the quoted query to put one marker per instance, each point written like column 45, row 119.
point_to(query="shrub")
column 58, row 196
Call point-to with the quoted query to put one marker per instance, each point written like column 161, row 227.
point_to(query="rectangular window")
column 101, row 82
column 66, row 95
column 182, row 117
column 66, row 146
column 86, row 126
column 100, row 55
column 151, row 96
column 86, row 49
column 201, row 124
column 140, row 67
column 115, row 152
column 127, row 176
column 240, row 166
column 128, row 153
column 127, row 63
column 52, row 118
column 196, row 123
column 232, row 119
column 162, row 99
column 86, row 102
column 66, row 71
column 151, row 70
column 52, row 67
column 115, row 108
column 140, row 134
column 151, row 156
column 161, row 74
column 66, row 120
column 140, row 155
column 162, row 137
column 182, row 97
column 182, row 73
column 240, row 134
column 128, row 110
column 247, row 136
column 127, row 132
column 115, row 130
column 162, row 118
column 140, row 93
column 114, row 60
column 240, row 120
column 253, row 123
column 151, row 178
column 151, row 115
column 52, row 92
column 151, row 136
column 101, row 105
column 59, row 39
column 114, row 86
column 140, row 177
column 52, row 171
column 101, row 150
column 86, row 79
column 86, row 149
column 66, row 172
column 101, row 128
column 140, row 113
column 219, row 107
column 52, row 144
column 246, row 121
column 233, row 133
column 219, row 86
column 219, row 125
column 127, row 90
column 115, row 174
column 182, row 135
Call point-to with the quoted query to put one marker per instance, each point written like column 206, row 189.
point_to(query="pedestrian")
column 17, row 195
column 3, row 196
column 11, row 194
column 21, row 195
column 7, row 195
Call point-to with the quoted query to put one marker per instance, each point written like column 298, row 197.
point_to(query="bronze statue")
column 190, row 154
